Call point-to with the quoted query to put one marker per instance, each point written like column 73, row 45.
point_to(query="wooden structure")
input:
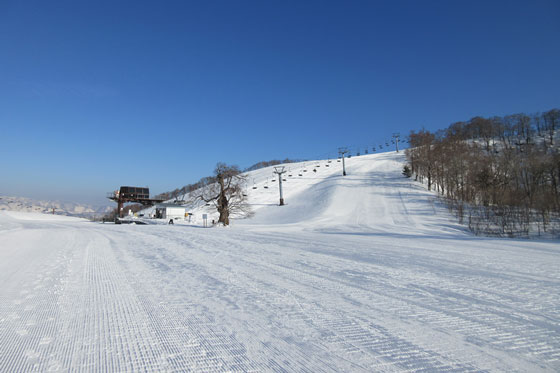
column 128, row 194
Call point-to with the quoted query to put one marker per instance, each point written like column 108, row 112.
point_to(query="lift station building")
column 129, row 194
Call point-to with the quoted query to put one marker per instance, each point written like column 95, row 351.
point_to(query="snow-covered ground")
column 358, row 273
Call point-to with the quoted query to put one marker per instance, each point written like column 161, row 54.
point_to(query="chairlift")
column 283, row 179
column 314, row 170
column 300, row 174
column 254, row 186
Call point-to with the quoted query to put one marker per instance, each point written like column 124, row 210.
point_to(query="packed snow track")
column 378, row 278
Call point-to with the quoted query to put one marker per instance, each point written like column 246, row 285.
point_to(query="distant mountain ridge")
column 10, row 203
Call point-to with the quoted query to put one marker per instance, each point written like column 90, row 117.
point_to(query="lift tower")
column 279, row 170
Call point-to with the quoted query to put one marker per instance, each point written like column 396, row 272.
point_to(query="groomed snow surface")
column 359, row 273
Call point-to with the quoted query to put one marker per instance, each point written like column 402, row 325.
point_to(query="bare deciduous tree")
column 552, row 121
column 225, row 191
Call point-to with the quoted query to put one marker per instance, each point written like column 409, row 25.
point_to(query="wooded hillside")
column 501, row 173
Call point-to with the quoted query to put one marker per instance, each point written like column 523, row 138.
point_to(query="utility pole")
column 342, row 151
column 279, row 170
column 396, row 136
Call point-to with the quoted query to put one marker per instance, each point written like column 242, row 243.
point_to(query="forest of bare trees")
column 500, row 175
column 179, row 192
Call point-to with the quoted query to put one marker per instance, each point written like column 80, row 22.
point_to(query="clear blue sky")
column 94, row 95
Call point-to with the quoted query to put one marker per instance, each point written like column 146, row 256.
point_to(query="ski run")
column 364, row 273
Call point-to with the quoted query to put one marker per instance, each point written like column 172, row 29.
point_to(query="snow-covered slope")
column 372, row 197
column 8, row 203
column 357, row 273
